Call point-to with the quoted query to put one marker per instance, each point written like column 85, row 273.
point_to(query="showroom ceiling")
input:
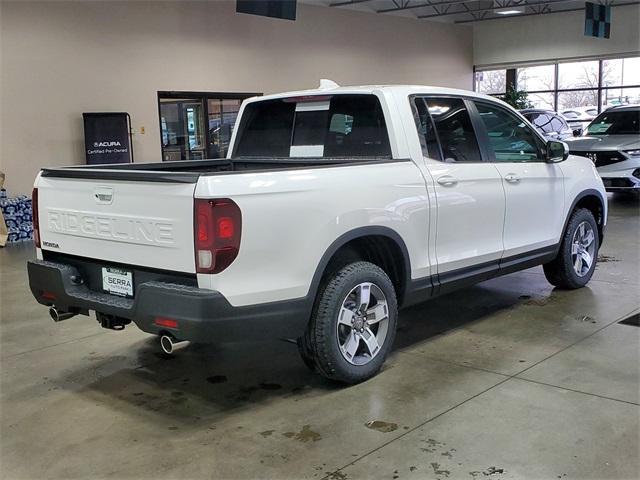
column 465, row 11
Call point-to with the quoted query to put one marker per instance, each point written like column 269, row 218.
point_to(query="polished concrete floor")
column 508, row 379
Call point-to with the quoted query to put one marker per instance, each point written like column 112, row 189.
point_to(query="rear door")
column 534, row 189
column 138, row 223
column 469, row 192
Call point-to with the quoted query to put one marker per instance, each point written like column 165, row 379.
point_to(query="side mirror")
column 577, row 132
column 557, row 151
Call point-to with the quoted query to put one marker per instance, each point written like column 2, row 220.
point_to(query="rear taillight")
column 35, row 217
column 217, row 231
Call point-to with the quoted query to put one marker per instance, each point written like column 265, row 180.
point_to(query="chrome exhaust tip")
column 170, row 345
column 58, row 316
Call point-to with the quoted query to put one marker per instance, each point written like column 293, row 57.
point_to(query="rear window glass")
column 336, row 126
column 265, row 129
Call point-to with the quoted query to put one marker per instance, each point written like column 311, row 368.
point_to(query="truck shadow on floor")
column 204, row 383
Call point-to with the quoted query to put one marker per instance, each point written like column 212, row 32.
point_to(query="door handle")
column 512, row 178
column 447, row 181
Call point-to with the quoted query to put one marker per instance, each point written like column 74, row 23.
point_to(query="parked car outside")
column 580, row 114
column 612, row 143
column 549, row 123
column 579, row 117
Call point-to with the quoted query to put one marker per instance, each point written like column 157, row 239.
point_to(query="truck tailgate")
column 132, row 222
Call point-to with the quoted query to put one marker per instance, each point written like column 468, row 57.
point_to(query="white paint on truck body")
column 290, row 217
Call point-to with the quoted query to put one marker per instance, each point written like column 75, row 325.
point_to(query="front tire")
column 578, row 255
column 353, row 323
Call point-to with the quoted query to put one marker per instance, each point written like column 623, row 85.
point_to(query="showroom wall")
column 60, row 59
column 512, row 41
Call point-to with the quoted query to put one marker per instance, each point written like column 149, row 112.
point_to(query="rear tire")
column 353, row 324
column 305, row 352
column 576, row 261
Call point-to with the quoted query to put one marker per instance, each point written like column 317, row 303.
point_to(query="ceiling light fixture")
column 510, row 11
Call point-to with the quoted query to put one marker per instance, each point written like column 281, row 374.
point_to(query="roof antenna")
column 326, row 84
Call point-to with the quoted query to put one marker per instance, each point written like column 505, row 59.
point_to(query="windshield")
column 616, row 123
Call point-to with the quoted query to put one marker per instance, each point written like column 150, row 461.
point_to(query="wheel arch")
column 593, row 201
column 382, row 246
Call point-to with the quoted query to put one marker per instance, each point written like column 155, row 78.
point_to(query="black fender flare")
column 347, row 237
column 585, row 193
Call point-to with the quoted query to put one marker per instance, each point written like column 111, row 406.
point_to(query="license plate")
column 117, row 281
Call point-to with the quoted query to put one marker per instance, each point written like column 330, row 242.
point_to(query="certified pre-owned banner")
column 107, row 138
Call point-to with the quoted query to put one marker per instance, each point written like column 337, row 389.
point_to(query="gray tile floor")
column 508, row 379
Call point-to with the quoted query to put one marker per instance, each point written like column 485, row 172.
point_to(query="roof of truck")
column 369, row 89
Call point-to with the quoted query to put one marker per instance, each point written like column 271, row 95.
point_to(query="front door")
column 469, row 192
column 534, row 189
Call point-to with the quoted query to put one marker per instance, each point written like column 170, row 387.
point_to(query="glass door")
column 182, row 129
column 186, row 135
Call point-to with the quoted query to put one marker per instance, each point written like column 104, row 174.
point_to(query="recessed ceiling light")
column 509, row 11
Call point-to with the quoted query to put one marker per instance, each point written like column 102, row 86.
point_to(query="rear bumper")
column 202, row 315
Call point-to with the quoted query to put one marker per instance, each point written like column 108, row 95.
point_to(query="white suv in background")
column 612, row 143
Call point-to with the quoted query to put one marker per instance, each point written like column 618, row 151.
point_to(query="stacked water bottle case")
column 18, row 217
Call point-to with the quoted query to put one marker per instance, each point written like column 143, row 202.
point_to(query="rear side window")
column 454, row 128
column 326, row 126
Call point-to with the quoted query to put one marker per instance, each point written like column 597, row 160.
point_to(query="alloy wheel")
column 363, row 323
column 583, row 249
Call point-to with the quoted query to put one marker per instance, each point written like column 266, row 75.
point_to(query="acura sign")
column 107, row 138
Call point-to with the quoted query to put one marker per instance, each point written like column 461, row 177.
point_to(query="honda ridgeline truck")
column 334, row 208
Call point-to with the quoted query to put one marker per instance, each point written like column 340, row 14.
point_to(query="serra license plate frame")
column 117, row 281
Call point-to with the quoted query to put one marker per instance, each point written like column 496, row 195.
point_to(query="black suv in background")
column 549, row 123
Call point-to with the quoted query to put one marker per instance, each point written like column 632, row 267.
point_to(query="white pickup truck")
column 334, row 208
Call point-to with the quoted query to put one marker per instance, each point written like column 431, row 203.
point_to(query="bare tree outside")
column 491, row 81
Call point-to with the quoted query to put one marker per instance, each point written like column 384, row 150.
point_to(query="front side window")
column 616, row 123
column 510, row 138
column 454, row 128
column 323, row 126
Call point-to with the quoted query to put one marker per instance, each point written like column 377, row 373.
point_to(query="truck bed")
column 190, row 171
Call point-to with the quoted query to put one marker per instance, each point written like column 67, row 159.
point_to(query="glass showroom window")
column 620, row 96
column 578, row 75
column 577, row 90
column 491, row 82
column 620, row 72
column 544, row 100
column 583, row 102
column 536, row 79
